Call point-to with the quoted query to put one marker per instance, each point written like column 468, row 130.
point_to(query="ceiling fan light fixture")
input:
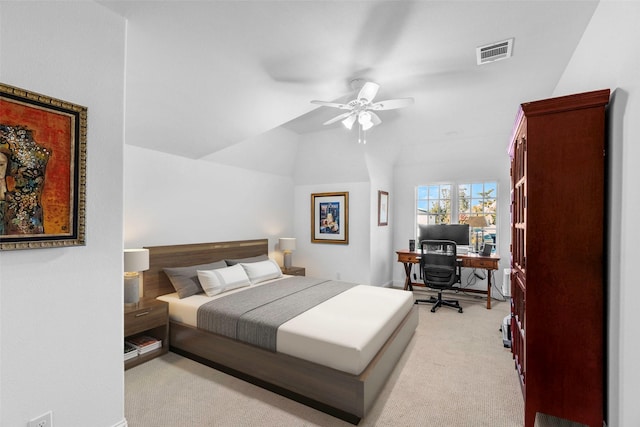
column 362, row 108
column 364, row 117
column 349, row 121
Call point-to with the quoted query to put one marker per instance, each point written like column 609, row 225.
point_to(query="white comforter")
column 344, row 332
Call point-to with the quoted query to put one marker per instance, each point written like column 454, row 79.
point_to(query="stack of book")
column 144, row 343
column 130, row 351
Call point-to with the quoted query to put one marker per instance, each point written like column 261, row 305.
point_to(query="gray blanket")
column 254, row 315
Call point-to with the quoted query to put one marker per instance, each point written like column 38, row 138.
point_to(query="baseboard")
column 122, row 423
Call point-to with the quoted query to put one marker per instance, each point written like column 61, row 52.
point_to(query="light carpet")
column 454, row 372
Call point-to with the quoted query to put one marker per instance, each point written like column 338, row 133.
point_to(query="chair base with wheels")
column 439, row 302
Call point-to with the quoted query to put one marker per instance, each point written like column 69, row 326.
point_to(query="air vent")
column 494, row 51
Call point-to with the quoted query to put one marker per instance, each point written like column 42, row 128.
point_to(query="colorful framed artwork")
column 42, row 171
column 383, row 208
column 330, row 218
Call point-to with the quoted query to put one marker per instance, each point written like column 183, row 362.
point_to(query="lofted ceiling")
column 203, row 76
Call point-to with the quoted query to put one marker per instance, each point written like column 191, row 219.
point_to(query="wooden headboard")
column 156, row 282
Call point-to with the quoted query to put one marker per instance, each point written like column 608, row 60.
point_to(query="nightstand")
column 294, row 271
column 148, row 317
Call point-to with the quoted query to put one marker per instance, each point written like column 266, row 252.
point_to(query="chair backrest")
column 438, row 263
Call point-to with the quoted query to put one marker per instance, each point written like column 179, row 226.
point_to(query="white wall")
column 608, row 56
column 61, row 309
column 175, row 200
column 381, row 249
column 329, row 260
column 334, row 161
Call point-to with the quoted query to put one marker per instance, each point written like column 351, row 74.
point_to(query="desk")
column 489, row 263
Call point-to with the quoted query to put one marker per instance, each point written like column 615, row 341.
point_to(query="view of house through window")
column 456, row 203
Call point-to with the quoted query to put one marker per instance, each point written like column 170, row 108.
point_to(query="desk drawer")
column 489, row 264
column 409, row 257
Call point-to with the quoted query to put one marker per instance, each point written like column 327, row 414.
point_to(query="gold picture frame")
column 42, row 171
column 330, row 218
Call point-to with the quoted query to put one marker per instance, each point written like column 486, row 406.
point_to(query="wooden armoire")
column 557, row 256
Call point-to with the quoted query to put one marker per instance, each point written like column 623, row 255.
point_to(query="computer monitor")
column 458, row 233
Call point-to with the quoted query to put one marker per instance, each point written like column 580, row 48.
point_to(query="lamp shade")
column 478, row 221
column 136, row 260
column 287, row 244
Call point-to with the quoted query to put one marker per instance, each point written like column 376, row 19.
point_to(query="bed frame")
column 340, row 394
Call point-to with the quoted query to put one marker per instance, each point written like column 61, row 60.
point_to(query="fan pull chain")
column 361, row 135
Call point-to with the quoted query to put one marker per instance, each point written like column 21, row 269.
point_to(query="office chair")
column 440, row 270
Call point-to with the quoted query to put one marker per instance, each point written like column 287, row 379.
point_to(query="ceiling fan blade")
column 331, row 104
column 338, row 118
column 368, row 91
column 392, row 104
column 349, row 121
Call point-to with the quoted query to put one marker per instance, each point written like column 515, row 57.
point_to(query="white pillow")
column 262, row 270
column 221, row 280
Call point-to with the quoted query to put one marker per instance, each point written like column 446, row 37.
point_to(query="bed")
column 303, row 367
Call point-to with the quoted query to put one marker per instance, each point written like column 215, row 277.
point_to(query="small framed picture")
column 383, row 208
column 330, row 218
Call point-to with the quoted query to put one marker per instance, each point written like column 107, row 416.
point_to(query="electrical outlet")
column 44, row 420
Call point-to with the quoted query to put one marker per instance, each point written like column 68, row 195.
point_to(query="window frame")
column 487, row 187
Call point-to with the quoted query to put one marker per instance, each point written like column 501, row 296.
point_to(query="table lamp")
column 135, row 261
column 478, row 222
column 287, row 245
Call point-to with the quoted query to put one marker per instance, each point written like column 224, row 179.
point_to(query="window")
column 440, row 203
column 434, row 204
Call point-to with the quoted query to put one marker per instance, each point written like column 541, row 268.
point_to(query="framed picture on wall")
column 383, row 208
column 42, row 171
column 330, row 218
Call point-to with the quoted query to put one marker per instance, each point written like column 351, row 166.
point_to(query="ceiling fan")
column 362, row 108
